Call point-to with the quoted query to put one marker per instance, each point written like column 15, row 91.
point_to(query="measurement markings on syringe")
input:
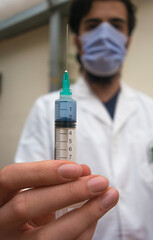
column 65, row 142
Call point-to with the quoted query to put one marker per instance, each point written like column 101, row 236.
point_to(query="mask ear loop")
column 78, row 45
column 128, row 43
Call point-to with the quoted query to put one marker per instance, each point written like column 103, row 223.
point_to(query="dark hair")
column 79, row 8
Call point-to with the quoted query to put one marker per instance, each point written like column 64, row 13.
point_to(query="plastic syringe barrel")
column 65, row 112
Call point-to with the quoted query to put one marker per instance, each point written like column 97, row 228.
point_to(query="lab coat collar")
column 126, row 106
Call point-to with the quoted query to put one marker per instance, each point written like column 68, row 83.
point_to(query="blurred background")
column 32, row 60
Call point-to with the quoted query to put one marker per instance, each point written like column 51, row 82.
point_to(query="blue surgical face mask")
column 104, row 50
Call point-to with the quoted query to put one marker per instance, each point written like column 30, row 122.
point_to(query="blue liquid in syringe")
column 65, row 111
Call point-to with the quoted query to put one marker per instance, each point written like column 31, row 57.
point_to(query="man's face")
column 113, row 12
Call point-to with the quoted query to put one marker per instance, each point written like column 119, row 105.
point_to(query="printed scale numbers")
column 65, row 144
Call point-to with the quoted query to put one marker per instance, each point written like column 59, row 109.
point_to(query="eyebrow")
column 97, row 20
column 120, row 20
column 91, row 20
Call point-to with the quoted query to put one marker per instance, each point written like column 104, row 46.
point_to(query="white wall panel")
column 24, row 63
column 9, row 8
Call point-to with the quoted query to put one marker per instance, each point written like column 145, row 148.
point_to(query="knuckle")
column 4, row 180
column 94, row 210
column 42, row 173
column 41, row 235
column 92, row 216
column 77, row 190
column 70, row 189
column 19, row 207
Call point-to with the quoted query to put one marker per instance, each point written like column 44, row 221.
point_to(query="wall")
column 138, row 68
column 9, row 8
column 24, row 63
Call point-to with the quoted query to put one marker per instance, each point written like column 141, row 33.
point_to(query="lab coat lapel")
column 126, row 107
column 90, row 103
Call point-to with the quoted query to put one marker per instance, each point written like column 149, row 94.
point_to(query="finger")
column 42, row 220
column 34, row 203
column 75, row 223
column 88, row 233
column 26, row 175
column 86, row 170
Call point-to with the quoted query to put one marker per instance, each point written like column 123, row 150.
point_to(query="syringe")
column 65, row 127
column 65, row 118
column 65, row 123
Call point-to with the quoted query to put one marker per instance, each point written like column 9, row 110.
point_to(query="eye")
column 118, row 27
column 91, row 26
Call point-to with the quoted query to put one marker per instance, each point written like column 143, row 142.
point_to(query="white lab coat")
column 119, row 150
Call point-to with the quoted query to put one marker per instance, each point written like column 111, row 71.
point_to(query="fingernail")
column 97, row 184
column 70, row 170
column 109, row 199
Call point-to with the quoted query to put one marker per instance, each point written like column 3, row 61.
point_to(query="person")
column 30, row 214
column 115, row 122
